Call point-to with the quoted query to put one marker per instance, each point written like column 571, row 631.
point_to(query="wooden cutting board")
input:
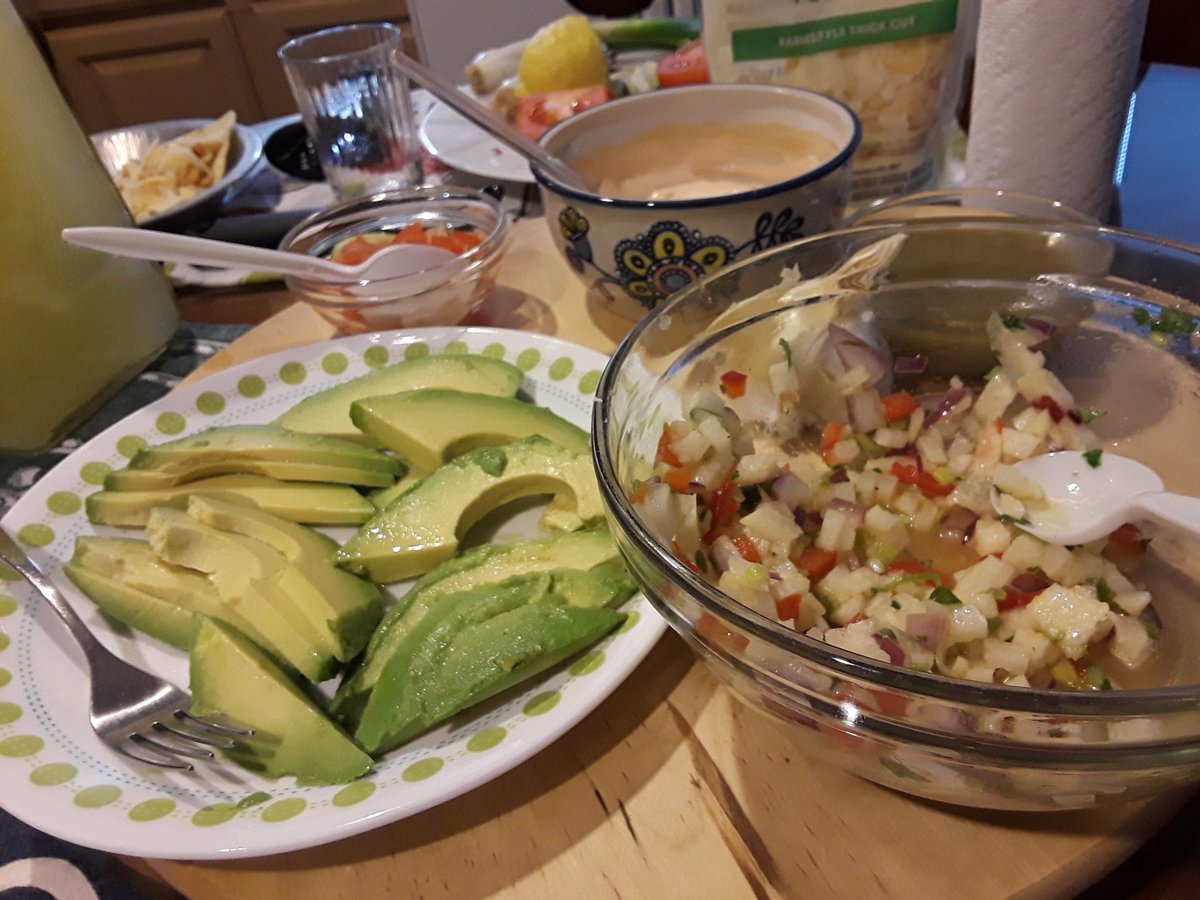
column 672, row 787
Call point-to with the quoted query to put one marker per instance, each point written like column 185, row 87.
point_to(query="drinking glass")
column 356, row 106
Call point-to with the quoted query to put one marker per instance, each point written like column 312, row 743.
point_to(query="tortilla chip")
column 176, row 170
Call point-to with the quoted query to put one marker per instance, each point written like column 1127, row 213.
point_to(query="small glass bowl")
column 406, row 301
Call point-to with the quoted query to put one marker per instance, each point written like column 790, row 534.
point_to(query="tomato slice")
column 687, row 65
column 536, row 113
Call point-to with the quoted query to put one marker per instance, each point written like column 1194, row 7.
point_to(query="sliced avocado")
column 485, row 565
column 385, row 497
column 398, row 699
column 230, row 676
column 256, row 449
column 128, row 581
column 244, row 571
column 428, row 427
column 470, row 655
column 423, row 526
column 328, row 412
column 343, row 606
column 607, row 584
column 306, row 502
column 484, row 660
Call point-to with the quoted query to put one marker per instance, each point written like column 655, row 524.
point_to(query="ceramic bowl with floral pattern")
column 633, row 253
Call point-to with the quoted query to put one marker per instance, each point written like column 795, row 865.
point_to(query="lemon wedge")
column 563, row 55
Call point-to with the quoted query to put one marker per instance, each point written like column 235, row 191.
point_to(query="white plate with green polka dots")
column 58, row 777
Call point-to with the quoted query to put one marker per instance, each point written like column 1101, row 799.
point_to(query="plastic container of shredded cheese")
column 897, row 63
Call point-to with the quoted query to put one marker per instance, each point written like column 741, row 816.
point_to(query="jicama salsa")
column 865, row 517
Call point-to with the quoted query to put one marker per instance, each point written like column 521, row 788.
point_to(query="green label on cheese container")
column 818, row 36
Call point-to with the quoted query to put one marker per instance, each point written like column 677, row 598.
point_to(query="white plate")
column 463, row 145
column 58, row 777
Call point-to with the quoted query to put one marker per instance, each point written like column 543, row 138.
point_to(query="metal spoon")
column 393, row 261
column 497, row 128
column 1084, row 502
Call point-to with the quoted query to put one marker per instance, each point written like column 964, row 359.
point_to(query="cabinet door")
column 177, row 66
column 266, row 25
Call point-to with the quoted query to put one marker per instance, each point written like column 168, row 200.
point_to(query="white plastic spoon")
column 1085, row 502
column 393, row 261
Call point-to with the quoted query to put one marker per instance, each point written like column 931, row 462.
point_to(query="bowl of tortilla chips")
column 173, row 173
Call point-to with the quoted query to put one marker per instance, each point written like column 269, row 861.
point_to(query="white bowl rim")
column 843, row 155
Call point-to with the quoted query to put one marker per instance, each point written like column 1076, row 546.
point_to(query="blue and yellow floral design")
column 669, row 256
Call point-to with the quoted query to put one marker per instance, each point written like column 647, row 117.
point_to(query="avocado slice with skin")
column 244, row 571
column 309, row 503
column 471, row 646
column 130, row 583
column 397, row 698
column 427, row 428
column 340, row 606
column 328, row 412
column 484, row 565
column 255, row 449
column 422, row 528
column 230, row 676
column 429, row 625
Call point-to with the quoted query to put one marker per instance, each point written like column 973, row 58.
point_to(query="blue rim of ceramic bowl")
column 756, row 194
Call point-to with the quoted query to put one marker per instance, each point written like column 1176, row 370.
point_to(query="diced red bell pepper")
column 899, row 405
column 815, row 563
column 908, row 473
column 746, row 549
column 733, row 384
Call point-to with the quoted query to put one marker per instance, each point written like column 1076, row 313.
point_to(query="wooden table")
column 671, row 788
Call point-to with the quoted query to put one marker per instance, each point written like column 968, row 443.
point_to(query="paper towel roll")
column 1052, row 85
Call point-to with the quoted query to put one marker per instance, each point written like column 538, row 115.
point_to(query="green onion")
column 1093, row 458
column 1088, row 415
column 787, row 350
column 1013, row 520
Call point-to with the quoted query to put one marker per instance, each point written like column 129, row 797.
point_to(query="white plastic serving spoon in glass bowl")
column 1089, row 495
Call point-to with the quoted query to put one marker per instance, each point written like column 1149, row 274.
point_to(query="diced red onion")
column 894, row 651
column 910, row 365
column 941, row 405
column 721, row 553
column 1041, row 326
column 1029, row 583
column 927, row 628
column 789, row 489
column 958, row 524
column 853, row 351
column 809, row 522
column 839, row 476
column 730, row 418
column 855, row 511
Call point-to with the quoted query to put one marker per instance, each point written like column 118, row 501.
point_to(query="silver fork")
column 132, row 711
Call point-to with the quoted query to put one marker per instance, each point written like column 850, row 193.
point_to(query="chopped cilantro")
column 1013, row 520
column 1093, row 458
column 787, row 350
column 1170, row 321
column 895, row 604
column 1010, row 321
column 944, row 596
column 888, row 633
column 1173, row 321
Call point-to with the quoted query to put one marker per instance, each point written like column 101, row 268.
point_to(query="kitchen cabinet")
column 121, row 62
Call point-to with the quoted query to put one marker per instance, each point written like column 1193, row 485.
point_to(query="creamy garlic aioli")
column 683, row 161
